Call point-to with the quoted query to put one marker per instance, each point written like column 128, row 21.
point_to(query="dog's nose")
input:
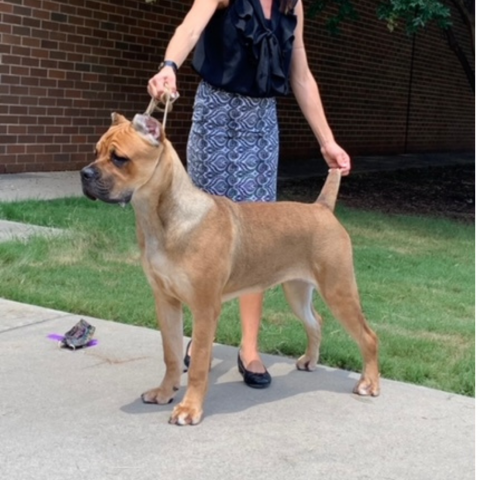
column 88, row 173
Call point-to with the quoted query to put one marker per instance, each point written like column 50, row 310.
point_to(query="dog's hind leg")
column 170, row 322
column 338, row 288
column 299, row 296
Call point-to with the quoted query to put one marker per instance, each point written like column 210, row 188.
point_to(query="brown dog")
column 201, row 250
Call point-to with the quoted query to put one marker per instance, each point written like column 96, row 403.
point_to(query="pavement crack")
column 113, row 361
column 33, row 323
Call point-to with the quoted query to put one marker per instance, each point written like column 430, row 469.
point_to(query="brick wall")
column 65, row 66
column 364, row 75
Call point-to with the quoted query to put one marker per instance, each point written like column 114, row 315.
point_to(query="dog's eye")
column 119, row 162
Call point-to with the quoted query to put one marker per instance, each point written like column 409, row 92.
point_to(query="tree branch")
column 454, row 45
column 468, row 17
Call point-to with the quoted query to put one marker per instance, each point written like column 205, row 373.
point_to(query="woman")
column 247, row 53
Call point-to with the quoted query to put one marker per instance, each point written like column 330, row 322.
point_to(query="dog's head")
column 126, row 157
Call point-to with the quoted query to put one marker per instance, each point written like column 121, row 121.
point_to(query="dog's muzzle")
column 89, row 176
column 97, row 188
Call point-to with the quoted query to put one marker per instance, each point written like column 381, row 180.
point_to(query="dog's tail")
column 329, row 193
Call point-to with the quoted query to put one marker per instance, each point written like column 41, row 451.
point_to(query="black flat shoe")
column 187, row 358
column 254, row 380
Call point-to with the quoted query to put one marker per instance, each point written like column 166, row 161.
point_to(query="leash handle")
column 167, row 98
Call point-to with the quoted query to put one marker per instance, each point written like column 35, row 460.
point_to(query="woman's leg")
column 250, row 316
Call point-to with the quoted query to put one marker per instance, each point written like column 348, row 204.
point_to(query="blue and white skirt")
column 232, row 148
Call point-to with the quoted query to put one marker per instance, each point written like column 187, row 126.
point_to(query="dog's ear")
column 118, row 118
column 149, row 127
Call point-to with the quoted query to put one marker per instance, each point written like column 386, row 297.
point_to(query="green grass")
column 416, row 280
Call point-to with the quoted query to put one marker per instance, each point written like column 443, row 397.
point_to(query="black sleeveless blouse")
column 242, row 52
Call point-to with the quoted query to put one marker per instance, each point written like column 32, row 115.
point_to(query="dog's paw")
column 367, row 387
column 186, row 414
column 159, row 395
column 306, row 363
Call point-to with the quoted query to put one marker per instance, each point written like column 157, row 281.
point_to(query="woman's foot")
column 256, row 375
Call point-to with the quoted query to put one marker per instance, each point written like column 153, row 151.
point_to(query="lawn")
column 416, row 277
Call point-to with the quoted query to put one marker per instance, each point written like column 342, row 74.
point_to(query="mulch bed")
column 447, row 192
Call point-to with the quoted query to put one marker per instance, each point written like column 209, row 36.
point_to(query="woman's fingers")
column 160, row 83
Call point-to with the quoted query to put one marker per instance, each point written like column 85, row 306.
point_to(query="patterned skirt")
column 232, row 148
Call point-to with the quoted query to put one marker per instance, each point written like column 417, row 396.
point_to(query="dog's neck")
column 169, row 195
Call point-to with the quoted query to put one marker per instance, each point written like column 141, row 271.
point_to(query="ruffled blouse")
column 242, row 52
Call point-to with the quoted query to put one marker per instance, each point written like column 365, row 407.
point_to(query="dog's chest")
column 161, row 271
column 155, row 257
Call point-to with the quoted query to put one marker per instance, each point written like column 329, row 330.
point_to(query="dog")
column 201, row 250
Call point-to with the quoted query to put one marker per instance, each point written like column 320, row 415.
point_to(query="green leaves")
column 343, row 10
column 409, row 14
column 413, row 14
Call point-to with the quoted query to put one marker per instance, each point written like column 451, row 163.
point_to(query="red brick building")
column 65, row 66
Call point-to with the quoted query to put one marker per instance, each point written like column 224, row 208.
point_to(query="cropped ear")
column 118, row 118
column 149, row 127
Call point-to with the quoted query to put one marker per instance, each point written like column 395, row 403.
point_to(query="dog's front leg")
column 190, row 410
column 170, row 322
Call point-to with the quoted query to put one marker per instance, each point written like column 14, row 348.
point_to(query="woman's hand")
column 336, row 157
column 163, row 80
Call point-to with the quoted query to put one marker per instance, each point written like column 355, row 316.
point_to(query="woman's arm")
column 181, row 44
column 307, row 94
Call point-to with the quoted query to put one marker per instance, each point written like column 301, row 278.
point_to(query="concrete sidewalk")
column 39, row 185
column 67, row 414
